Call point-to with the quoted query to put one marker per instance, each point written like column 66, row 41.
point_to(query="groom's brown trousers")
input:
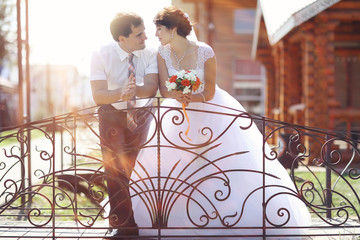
column 120, row 147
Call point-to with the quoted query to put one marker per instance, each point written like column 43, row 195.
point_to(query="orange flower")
column 196, row 84
column 185, row 82
column 173, row 79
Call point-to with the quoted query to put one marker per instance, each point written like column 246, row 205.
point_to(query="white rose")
column 191, row 76
column 180, row 74
column 170, row 86
column 186, row 90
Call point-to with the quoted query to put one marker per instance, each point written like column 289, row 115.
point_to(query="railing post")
column 75, row 165
column 159, row 202
column 53, row 208
column 328, row 199
column 264, row 179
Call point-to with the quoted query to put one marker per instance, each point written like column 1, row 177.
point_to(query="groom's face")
column 136, row 39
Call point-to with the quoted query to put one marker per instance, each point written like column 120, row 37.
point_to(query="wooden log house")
column 313, row 64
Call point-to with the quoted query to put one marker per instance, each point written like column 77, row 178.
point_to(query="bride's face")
column 164, row 34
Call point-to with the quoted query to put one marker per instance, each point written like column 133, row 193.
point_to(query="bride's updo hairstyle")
column 171, row 17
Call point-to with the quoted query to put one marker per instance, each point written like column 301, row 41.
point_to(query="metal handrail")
column 66, row 169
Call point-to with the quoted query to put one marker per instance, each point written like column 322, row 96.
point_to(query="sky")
column 67, row 31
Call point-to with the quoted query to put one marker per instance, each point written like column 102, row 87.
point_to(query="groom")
column 122, row 71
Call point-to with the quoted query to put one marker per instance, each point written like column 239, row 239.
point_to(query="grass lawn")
column 10, row 137
column 345, row 193
column 37, row 206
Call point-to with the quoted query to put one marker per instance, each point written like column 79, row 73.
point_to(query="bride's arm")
column 163, row 77
column 209, row 82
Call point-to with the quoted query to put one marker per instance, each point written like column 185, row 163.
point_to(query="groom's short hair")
column 122, row 22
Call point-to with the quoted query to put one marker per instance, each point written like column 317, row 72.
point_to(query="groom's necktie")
column 131, row 124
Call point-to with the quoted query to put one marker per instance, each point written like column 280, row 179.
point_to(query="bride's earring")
column 172, row 35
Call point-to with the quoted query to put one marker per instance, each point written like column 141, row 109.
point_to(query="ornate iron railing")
column 52, row 177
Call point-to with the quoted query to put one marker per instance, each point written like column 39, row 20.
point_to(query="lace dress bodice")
column 203, row 54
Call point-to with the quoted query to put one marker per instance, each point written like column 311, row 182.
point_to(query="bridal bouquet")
column 187, row 82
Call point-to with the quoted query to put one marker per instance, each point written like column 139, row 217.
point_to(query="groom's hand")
column 129, row 89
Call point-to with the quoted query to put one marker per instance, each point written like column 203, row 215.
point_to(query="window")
column 244, row 21
column 347, row 83
column 249, row 85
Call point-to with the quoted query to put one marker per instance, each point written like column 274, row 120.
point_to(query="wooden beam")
column 350, row 37
column 348, row 15
column 346, row 113
column 347, row 52
column 346, row 5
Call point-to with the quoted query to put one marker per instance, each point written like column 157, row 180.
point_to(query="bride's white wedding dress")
column 214, row 182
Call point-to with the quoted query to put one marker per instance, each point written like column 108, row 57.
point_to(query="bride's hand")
column 187, row 99
column 178, row 95
column 182, row 98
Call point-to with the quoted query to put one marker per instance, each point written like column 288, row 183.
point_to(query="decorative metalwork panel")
column 229, row 173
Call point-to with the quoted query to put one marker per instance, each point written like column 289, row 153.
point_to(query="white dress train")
column 213, row 183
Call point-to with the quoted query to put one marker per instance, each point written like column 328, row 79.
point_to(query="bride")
column 211, row 183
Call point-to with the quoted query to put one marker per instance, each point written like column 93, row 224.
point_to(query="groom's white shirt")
column 110, row 63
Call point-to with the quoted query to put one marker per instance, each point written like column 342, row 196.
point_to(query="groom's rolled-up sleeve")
column 97, row 69
column 152, row 63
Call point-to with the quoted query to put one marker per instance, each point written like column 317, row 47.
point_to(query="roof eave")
column 300, row 17
column 256, row 30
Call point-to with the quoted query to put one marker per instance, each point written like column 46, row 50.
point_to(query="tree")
column 6, row 28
